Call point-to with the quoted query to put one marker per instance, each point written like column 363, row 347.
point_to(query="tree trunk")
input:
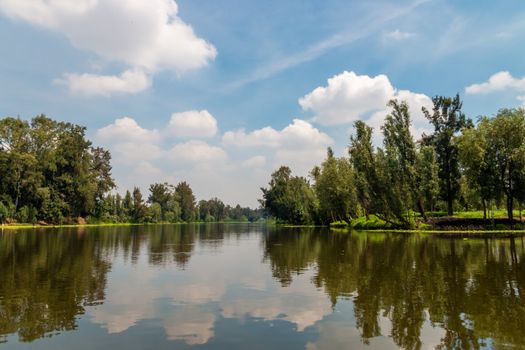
column 421, row 208
column 510, row 207
column 484, row 209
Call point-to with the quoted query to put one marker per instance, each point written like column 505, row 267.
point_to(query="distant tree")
column 289, row 198
column 402, row 190
column 127, row 206
column 101, row 172
column 154, row 212
column 139, row 209
column 478, row 163
column 362, row 160
column 427, row 170
column 186, row 200
column 335, row 189
column 447, row 119
column 506, row 149
column 161, row 193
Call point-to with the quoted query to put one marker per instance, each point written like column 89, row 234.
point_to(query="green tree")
column 402, row 189
column 160, row 193
column 506, row 149
column 186, row 200
column 139, row 209
column 361, row 154
column 477, row 163
column 289, row 198
column 447, row 119
column 335, row 189
column 427, row 170
column 101, row 173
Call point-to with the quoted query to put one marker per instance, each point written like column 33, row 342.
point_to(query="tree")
column 362, row 160
column 161, row 194
column 101, row 172
column 138, row 210
column 400, row 153
column 186, row 200
column 335, row 190
column 506, row 149
column 477, row 163
column 127, row 206
column 289, row 198
column 447, row 119
column 427, row 170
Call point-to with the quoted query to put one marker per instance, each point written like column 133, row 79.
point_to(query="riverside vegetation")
column 408, row 183
column 51, row 173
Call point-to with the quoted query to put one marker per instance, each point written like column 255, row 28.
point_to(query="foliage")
column 447, row 120
column 289, row 198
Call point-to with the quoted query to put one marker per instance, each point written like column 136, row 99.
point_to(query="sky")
column 222, row 93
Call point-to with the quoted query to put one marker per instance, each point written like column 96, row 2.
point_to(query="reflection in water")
column 226, row 286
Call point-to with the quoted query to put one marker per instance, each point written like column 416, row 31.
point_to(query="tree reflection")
column 471, row 289
column 47, row 280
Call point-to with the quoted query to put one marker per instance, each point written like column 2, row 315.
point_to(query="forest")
column 461, row 166
column 51, row 173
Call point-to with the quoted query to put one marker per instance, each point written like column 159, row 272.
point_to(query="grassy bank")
column 19, row 226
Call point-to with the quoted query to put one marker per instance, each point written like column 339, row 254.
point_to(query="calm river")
column 257, row 287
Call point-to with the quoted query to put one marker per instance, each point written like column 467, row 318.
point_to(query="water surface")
column 257, row 287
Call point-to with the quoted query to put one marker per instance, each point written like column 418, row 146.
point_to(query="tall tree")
column 400, row 151
column 160, row 193
column 139, row 209
column 427, row 172
column 186, row 200
column 506, row 147
column 477, row 163
column 335, row 190
column 448, row 119
column 289, row 198
column 361, row 154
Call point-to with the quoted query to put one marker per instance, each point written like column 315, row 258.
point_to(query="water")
column 256, row 287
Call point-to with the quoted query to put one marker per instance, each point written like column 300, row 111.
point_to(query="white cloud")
column 298, row 134
column 141, row 33
column 127, row 129
column 145, row 34
column 399, row 35
column 129, row 82
column 254, row 162
column 299, row 145
column 497, row 82
column 347, row 97
column 197, row 152
column 193, row 124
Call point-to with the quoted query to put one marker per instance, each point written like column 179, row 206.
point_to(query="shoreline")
column 123, row 224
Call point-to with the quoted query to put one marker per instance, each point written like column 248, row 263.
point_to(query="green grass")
column 18, row 226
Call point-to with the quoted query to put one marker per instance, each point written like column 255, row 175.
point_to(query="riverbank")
column 116, row 224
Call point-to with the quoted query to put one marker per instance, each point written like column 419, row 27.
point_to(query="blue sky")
column 220, row 93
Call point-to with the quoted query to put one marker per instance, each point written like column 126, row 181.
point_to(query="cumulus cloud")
column 349, row 97
column 299, row 133
column 254, row 162
column 197, row 152
column 299, row 145
column 146, row 34
column 193, row 124
column 129, row 82
column 500, row 81
column 127, row 129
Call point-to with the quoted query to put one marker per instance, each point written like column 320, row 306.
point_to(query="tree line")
column 51, row 173
column 459, row 166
